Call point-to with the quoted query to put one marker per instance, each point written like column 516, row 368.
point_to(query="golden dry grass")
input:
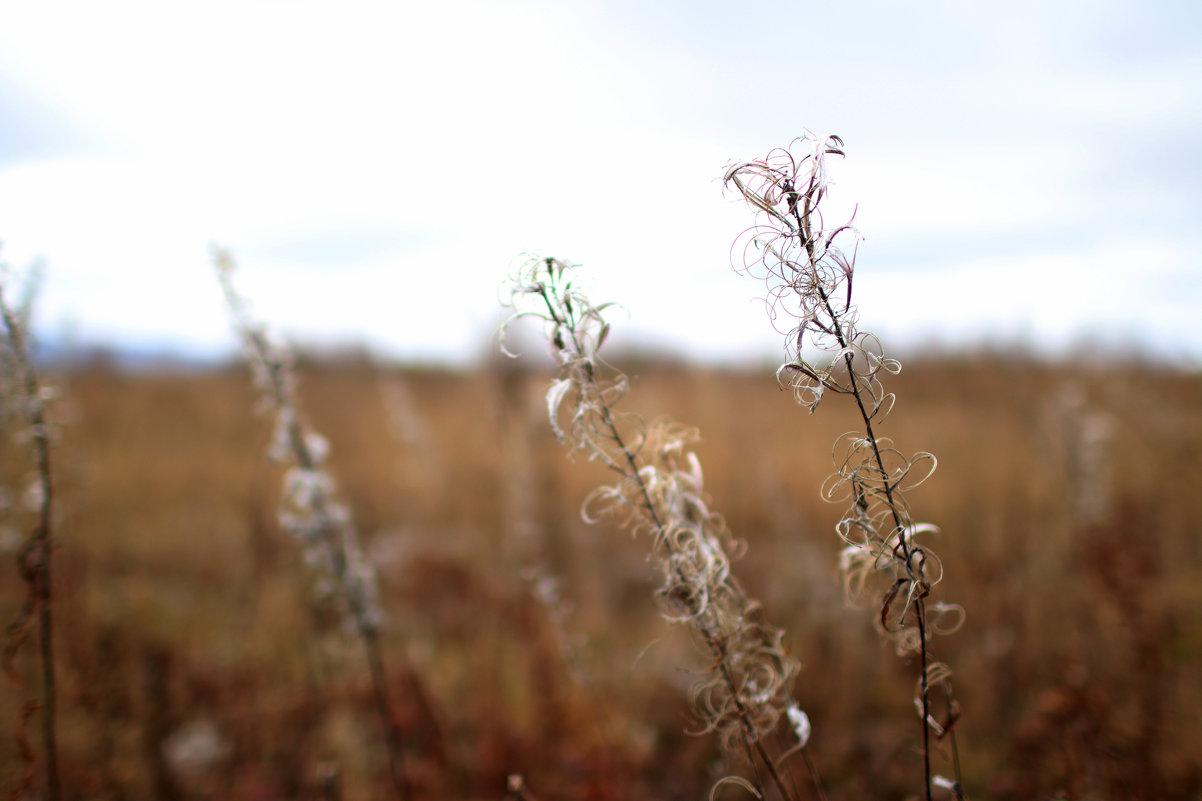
column 184, row 620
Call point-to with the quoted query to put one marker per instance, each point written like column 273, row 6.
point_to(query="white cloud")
column 377, row 166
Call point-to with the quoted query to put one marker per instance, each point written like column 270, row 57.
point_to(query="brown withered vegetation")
column 192, row 662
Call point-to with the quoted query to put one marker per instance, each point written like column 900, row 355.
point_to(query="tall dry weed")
column 809, row 279
column 660, row 493
column 312, row 511
column 28, row 397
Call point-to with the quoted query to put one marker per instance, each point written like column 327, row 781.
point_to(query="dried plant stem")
column 951, row 736
column 303, row 455
column 392, row 732
column 323, row 523
column 36, row 555
column 660, row 493
column 813, row 770
column 810, row 278
column 368, row 633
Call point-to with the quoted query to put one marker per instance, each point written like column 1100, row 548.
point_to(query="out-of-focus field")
column 192, row 663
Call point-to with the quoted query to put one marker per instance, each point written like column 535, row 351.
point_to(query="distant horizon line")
column 137, row 356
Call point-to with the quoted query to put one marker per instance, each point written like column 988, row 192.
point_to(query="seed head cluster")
column 809, row 279
column 660, row 492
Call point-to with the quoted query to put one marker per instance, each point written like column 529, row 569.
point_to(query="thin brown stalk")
column 392, row 732
column 902, row 538
column 40, row 545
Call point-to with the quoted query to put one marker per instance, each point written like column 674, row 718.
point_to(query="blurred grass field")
column 193, row 664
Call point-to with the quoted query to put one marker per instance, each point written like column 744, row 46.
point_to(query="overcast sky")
column 1024, row 171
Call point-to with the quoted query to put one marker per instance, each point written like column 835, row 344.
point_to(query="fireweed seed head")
column 808, row 268
column 581, row 401
column 660, row 491
column 807, row 275
column 542, row 288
